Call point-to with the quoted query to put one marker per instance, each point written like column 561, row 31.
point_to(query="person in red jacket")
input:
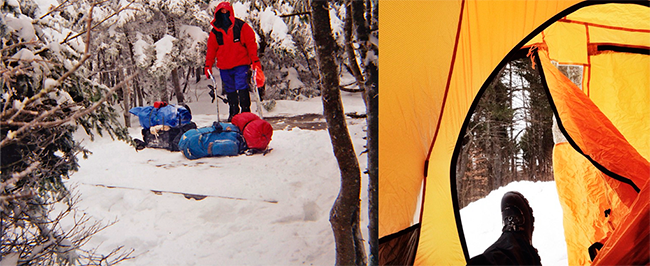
column 232, row 42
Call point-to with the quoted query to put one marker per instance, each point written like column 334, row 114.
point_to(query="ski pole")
column 256, row 95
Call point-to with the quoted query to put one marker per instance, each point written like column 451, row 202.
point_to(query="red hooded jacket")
column 230, row 54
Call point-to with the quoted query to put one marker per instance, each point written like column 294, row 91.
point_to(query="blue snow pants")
column 235, row 79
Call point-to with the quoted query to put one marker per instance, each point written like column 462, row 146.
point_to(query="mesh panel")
column 399, row 248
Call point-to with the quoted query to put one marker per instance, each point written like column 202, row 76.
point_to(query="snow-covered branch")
column 54, row 9
column 18, row 176
column 68, row 38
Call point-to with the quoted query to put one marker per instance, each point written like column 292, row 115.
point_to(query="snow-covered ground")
column 260, row 210
column 482, row 220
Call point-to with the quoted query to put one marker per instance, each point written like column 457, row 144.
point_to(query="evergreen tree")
column 509, row 135
column 81, row 65
column 537, row 142
column 48, row 91
column 486, row 162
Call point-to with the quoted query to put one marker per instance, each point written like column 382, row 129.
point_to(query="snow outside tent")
column 437, row 58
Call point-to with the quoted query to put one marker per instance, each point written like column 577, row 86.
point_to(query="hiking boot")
column 244, row 101
column 517, row 215
column 233, row 103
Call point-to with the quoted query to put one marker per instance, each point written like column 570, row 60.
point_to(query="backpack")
column 165, row 139
column 236, row 32
column 220, row 139
column 256, row 132
column 168, row 115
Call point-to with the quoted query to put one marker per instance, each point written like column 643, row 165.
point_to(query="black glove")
column 211, row 93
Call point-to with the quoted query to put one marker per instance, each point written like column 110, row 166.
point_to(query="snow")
column 10, row 260
column 19, row 104
column 163, row 49
column 267, row 19
column 61, row 97
column 337, row 25
column 294, row 80
column 193, row 32
column 482, row 220
column 139, row 49
column 50, row 83
column 13, row 3
column 273, row 24
column 241, row 10
column 77, row 44
column 21, row 25
column 260, row 210
column 23, row 55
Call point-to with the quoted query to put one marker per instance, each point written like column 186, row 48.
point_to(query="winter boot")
column 233, row 102
column 517, row 214
column 244, row 100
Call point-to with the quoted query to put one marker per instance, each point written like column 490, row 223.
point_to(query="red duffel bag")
column 257, row 132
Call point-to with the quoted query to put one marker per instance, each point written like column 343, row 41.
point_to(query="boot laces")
column 513, row 220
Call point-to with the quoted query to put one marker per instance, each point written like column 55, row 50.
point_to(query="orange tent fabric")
column 438, row 55
column 615, row 88
column 595, row 136
column 584, row 190
column 585, row 221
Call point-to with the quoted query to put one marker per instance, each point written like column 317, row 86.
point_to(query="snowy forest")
column 81, row 65
column 509, row 136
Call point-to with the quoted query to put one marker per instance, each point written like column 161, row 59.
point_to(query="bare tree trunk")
column 171, row 30
column 373, row 160
column 349, row 50
column 371, row 92
column 177, row 87
column 198, row 73
column 344, row 216
column 139, row 94
column 126, row 91
column 164, row 96
column 136, row 100
column 187, row 79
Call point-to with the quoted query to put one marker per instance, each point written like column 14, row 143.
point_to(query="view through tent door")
column 586, row 187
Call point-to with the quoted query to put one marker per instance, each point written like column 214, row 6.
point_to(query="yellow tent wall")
column 417, row 43
column 432, row 67
column 436, row 56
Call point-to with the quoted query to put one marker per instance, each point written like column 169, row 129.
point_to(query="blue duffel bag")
column 169, row 115
column 220, row 139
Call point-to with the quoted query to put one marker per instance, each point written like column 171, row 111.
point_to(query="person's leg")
column 244, row 100
column 228, row 80
column 510, row 249
column 242, row 86
column 514, row 246
column 233, row 103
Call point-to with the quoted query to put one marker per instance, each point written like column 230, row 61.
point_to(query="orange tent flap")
column 592, row 134
column 630, row 243
column 591, row 210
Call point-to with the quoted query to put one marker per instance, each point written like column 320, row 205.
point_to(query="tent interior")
column 438, row 57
